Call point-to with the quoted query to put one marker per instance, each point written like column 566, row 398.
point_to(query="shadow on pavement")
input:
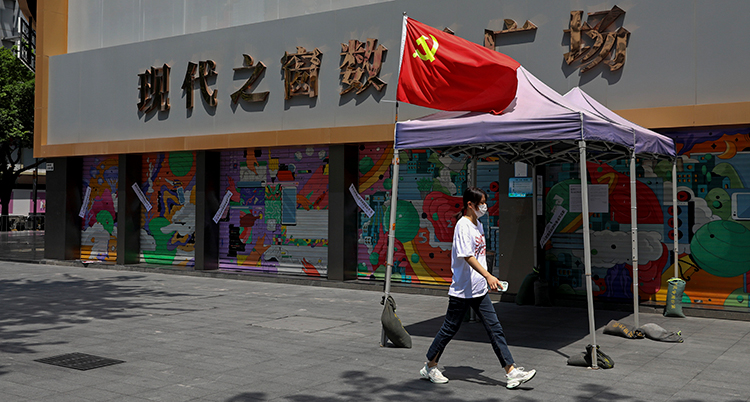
column 548, row 328
column 30, row 307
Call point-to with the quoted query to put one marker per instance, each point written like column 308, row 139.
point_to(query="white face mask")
column 482, row 210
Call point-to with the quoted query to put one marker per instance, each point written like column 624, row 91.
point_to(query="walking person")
column 469, row 289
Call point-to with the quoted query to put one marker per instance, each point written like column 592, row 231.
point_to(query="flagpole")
column 394, row 194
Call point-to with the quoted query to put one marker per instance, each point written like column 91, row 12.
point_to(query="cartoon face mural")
column 277, row 218
column 99, row 223
column 168, row 229
column 429, row 195
column 712, row 216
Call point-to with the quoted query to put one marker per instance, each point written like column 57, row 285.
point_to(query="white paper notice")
column 598, row 198
column 142, row 197
column 361, row 202
column 520, row 169
column 85, row 204
column 223, row 207
column 557, row 216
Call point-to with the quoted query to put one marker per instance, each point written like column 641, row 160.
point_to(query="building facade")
column 240, row 135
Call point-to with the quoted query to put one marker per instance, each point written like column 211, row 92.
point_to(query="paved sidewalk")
column 187, row 338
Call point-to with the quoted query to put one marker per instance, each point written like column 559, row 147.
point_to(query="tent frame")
column 537, row 154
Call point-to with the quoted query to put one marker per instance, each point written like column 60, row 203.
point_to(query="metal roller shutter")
column 168, row 230
column 277, row 220
column 488, row 174
column 429, row 192
column 99, row 221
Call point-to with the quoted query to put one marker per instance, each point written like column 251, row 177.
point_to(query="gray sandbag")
column 525, row 293
column 657, row 333
column 617, row 328
column 392, row 325
column 583, row 359
column 675, row 288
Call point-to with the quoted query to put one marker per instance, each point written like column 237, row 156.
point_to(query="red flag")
column 445, row 72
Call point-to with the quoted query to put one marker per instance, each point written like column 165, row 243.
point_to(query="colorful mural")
column 277, row 220
column 99, row 222
column 429, row 195
column 713, row 218
column 168, row 229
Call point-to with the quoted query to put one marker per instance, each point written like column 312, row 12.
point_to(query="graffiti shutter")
column 487, row 179
column 278, row 215
column 424, row 224
column 168, row 229
column 99, row 221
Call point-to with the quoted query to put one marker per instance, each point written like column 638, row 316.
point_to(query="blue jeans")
column 457, row 309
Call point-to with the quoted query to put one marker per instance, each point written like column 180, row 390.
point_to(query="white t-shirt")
column 468, row 240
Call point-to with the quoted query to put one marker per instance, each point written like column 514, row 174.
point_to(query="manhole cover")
column 79, row 361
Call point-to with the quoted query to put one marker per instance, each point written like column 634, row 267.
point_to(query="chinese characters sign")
column 360, row 70
column 362, row 60
column 153, row 89
column 301, row 72
column 244, row 92
column 605, row 40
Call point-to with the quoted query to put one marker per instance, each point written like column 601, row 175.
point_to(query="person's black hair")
column 473, row 194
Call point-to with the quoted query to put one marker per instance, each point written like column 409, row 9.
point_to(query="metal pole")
column 634, row 235
column 391, row 237
column 534, row 211
column 587, row 246
column 36, row 178
column 675, row 213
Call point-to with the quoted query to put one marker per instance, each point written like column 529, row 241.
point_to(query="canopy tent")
column 538, row 127
column 581, row 99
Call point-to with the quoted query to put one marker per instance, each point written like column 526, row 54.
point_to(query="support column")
column 128, row 210
column 207, row 202
column 62, row 240
column 343, row 212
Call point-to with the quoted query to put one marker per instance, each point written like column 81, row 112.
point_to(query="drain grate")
column 79, row 361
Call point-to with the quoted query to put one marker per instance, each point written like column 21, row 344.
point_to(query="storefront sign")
column 360, row 68
column 604, row 40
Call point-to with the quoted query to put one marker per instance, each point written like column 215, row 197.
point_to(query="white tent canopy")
column 538, row 127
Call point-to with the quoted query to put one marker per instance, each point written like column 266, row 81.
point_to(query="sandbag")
column 675, row 288
column 583, row 359
column 617, row 328
column 657, row 333
column 392, row 325
column 525, row 294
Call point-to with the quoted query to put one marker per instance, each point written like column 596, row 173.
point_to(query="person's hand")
column 493, row 282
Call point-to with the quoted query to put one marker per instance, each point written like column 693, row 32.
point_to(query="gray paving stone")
column 206, row 339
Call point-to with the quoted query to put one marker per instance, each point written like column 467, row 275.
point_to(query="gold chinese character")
column 153, row 91
column 361, row 58
column 244, row 92
column 604, row 41
column 206, row 69
column 301, row 72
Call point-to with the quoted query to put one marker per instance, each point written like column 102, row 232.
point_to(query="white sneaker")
column 433, row 374
column 518, row 376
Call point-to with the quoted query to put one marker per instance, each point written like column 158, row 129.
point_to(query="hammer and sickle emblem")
column 429, row 53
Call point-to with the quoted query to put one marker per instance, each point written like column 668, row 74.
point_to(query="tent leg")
column 587, row 246
column 391, row 237
column 534, row 218
column 634, row 235
column 675, row 214
column 472, row 182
